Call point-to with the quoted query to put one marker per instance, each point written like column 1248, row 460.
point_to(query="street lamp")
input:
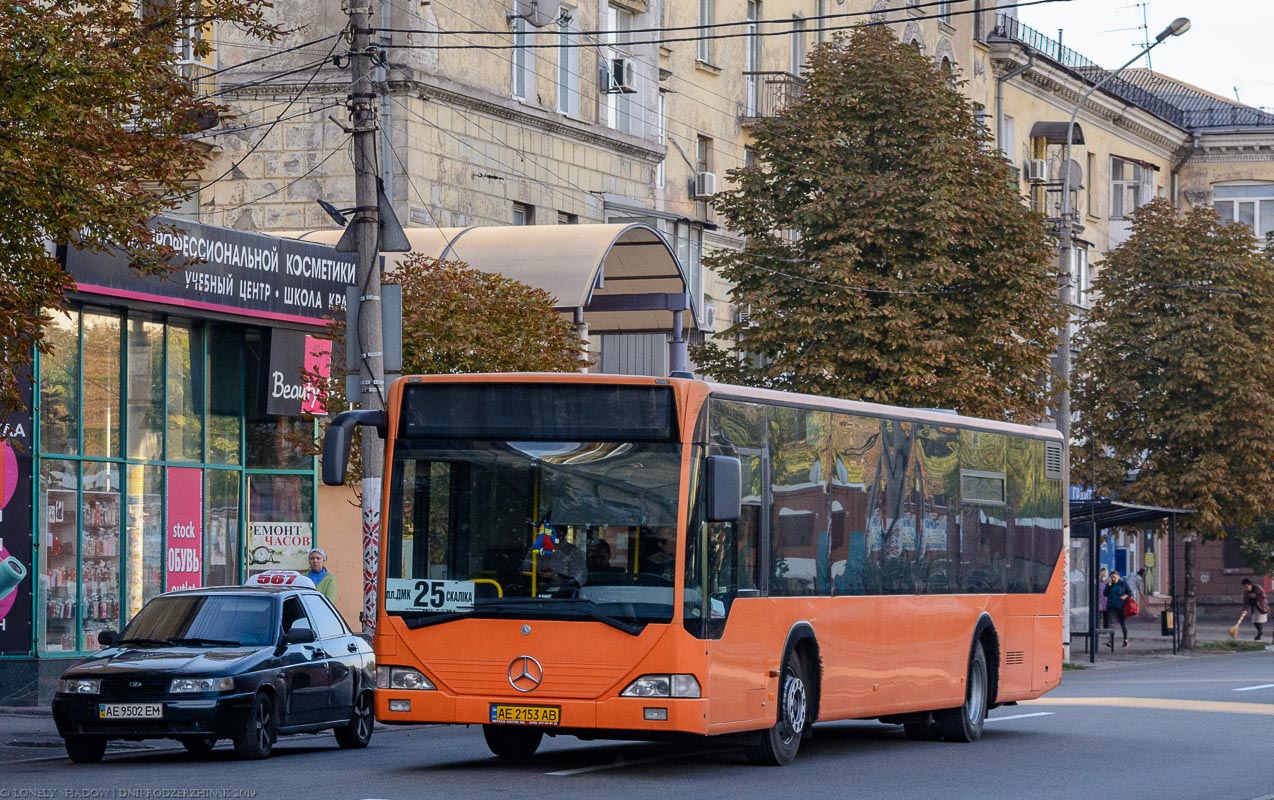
column 1067, row 240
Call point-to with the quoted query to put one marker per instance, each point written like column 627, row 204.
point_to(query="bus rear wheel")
column 512, row 741
column 777, row 746
column 964, row 724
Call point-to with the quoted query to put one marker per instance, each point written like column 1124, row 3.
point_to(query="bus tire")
column 964, row 724
column 512, row 741
column 922, row 730
column 777, row 746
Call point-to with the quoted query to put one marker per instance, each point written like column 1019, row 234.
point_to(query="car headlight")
column 183, row 685
column 663, row 686
column 401, row 678
column 79, row 686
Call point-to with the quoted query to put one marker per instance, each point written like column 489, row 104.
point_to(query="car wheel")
column 199, row 745
column 257, row 739
column 512, row 741
column 85, row 749
column 777, row 746
column 358, row 732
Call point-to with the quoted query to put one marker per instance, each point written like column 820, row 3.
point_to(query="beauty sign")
column 184, row 551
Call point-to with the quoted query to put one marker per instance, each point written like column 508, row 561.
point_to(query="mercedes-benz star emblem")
column 525, row 673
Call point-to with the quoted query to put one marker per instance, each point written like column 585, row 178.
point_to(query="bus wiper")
column 587, row 607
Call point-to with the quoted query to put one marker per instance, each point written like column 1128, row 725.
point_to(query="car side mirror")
column 107, row 638
column 299, row 636
column 724, row 488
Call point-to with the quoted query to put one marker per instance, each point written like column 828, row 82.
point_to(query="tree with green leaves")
column 93, row 121
column 888, row 255
column 1174, row 373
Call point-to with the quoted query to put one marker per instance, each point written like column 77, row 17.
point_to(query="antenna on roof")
column 1236, row 94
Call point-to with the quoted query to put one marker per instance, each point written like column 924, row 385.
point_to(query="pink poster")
column 185, row 529
column 318, row 361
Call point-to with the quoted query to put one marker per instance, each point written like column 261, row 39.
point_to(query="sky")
column 1227, row 46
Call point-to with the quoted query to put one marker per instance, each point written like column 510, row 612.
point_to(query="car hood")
column 182, row 660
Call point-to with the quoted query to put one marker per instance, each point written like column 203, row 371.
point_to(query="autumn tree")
column 888, row 255
column 93, row 122
column 1173, row 376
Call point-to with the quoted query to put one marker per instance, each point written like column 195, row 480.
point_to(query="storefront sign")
column 16, row 580
column 184, row 551
column 280, row 545
column 221, row 269
column 294, row 356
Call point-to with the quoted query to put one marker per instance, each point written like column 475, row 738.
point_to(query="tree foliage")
column 888, row 255
column 1174, row 371
column 92, row 117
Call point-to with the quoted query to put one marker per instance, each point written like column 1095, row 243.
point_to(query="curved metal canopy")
column 624, row 277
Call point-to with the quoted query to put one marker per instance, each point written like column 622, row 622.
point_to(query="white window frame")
column 568, row 69
column 944, row 12
column 1140, row 188
column 752, row 58
column 799, row 45
column 523, row 71
column 661, row 136
column 707, row 16
column 820, row 34
column 1234, row 203
column 621, row 111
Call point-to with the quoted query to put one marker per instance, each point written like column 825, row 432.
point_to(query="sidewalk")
column 1145, row 641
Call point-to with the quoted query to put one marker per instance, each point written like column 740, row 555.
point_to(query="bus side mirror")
column 336, row 442
column 725, row 488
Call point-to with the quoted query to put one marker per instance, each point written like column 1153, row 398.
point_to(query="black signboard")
column 294, row 356
column 16, row 574
column 220, row 269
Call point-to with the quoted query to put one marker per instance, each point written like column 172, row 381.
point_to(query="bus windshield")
column 532, row 529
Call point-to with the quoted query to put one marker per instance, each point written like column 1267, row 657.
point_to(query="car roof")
column 267, row 590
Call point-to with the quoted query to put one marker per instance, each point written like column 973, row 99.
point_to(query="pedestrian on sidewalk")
column 1257, row 605
column 1103, row 580
column 1137, row 584
column 1116, row 596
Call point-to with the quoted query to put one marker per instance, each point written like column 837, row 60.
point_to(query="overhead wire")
column 343, row 144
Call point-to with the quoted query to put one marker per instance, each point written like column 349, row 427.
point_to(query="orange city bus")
column 636, row 558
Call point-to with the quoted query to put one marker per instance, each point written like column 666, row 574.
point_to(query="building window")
column 751, row 158
column 822, row 24
column 1081, row 278
column 944, row 12
column 752, row 59
column 523, row 72
column 798, row 45
column 707, row 16
column 661, row 136
column 620, row 109
column 568, row 63
column 565, row 218
column 1131, row 186
column 1008, row 139
column 1252, row 205
column 523, row 214
column 979, row 22
column 1090, row 181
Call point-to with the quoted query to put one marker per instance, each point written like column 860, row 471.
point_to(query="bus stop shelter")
column 1091, row 514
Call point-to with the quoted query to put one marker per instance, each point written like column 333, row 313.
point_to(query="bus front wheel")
column 964, row 724
column 777, row 746
column 512, row 741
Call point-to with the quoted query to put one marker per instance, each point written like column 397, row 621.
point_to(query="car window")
column 294, row 618
column 211, row 619
column 327, row 623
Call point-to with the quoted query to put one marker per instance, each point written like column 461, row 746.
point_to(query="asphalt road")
column 1186, row 728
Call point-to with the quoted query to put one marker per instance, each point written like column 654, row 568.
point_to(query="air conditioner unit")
column 1037, row 170
column 709, row 318
column 621, row 77
column 705, row 185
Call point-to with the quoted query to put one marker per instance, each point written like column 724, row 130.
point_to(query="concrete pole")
column 362, row 108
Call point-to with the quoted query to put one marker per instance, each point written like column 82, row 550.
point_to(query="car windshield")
column 580, row 530
column 194, row 620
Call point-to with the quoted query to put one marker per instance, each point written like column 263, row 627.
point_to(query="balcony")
column 768, row 93
column 199, row 75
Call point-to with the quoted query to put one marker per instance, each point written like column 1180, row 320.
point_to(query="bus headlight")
column 663, row 686
column 401, row 678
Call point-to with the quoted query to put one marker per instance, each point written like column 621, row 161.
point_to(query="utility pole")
column 362, row 108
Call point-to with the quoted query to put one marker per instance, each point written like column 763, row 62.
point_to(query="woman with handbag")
column 1116, row 596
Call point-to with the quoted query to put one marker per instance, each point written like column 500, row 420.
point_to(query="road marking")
column 1266, row 709
column 1254, row 688
column 1021, row 716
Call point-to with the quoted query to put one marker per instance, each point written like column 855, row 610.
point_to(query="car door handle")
column 353, row 648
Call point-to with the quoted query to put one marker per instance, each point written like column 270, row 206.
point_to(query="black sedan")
column 239, row 663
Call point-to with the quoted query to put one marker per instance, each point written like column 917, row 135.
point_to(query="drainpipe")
column 999, row 101
column 1176, row 168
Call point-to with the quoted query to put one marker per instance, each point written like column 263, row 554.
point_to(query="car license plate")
column 130, row 711
column 526, row 715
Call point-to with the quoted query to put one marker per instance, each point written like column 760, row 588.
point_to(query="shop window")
column 144, row 526
column 145, row 389
column 102, row 395
column 185, row 369
column 225, row 395
column 60, row 386
column 272, row 442
column 59, row 509
column 221, row 527
column 280, row 522
column 100, row 505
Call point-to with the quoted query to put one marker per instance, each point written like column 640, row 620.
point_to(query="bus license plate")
column 526, row 715
column 130, row 711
